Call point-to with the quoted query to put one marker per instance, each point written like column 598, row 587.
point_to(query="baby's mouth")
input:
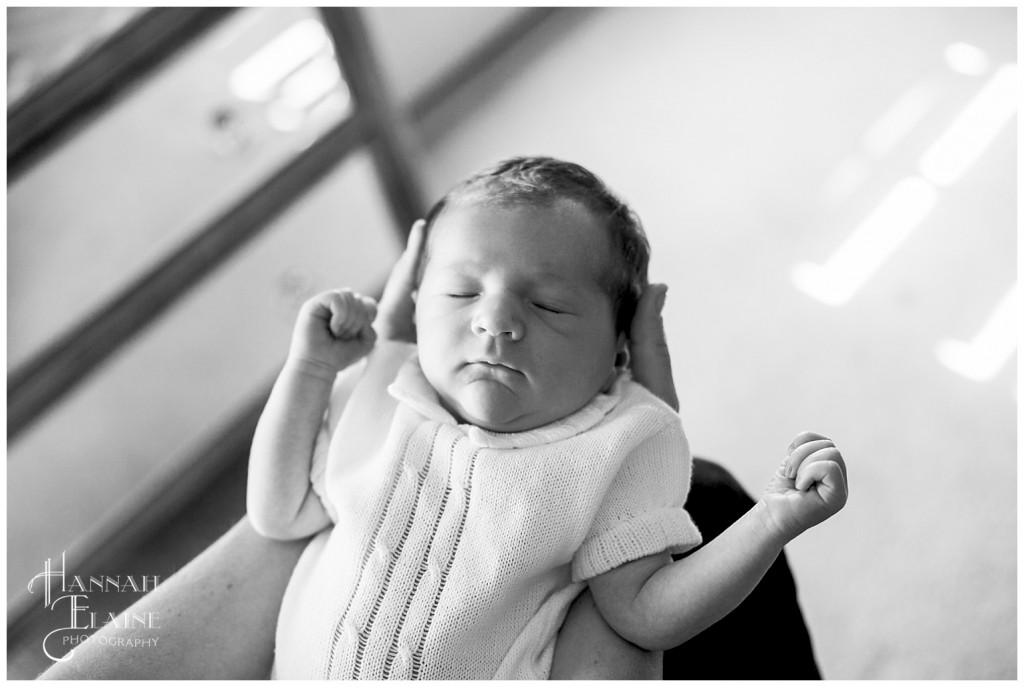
column 493, row 367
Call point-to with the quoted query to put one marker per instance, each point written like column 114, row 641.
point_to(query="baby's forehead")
column 485, row 208
column 486, row 220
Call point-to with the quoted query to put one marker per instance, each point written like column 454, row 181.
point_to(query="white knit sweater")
column 456, row 552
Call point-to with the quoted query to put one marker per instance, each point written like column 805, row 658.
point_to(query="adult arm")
column 216, row 618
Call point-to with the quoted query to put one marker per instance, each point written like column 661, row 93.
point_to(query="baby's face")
column 513, row 327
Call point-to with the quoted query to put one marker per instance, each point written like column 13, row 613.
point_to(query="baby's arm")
column 659, row 605
column 333, row 330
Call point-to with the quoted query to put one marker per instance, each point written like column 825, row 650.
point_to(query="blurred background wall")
column 829, row 193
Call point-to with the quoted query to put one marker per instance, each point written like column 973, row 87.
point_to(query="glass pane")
column 42, row 41
column 151, row 171
column 163, row 395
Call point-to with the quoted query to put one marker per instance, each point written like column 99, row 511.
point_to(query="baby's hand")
column 809, row 487
column 333, row 330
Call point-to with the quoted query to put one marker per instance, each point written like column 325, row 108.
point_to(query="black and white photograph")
column 512, row 343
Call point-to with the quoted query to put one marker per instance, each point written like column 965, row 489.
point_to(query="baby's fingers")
column 812, row 452
column 805, row 444
column 804, row 437
column 341, row 306
column 829, row 479
column 351, row 313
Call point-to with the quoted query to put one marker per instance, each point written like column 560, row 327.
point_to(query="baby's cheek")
column 434, row 335
column 431, row 364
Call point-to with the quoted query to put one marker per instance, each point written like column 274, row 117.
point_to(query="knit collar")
column 412, row 388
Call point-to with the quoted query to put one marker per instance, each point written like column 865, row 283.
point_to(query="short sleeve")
column 340, row 393
column 642, row 513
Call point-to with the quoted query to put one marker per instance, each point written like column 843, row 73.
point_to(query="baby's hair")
column 540, row 181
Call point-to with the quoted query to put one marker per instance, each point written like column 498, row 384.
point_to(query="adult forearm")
column 588, row 649
column 216, row 618
column 282, row 447
column 686, row 597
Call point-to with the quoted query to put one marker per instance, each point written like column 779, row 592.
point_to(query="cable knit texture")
column 455, row 551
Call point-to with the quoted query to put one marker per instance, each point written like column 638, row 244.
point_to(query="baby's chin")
column 496, row 408
column 490, row 406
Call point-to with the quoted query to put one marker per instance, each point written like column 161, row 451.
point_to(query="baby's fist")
column 809, row 487
column 334, row 329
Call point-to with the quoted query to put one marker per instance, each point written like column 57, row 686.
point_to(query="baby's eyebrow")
column 475, row 267
column 469, row 267
column 547, row 277
column 558, row 278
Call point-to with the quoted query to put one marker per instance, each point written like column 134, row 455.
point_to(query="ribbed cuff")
column 666, row 529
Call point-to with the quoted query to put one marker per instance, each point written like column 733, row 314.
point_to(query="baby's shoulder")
column 635, row 398
column 638, row 407
column 371, row 375
column 385, row 361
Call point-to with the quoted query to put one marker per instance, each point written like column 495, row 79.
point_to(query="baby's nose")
column 497, row 317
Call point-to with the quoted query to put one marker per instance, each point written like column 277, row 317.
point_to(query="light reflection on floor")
column 911, row 201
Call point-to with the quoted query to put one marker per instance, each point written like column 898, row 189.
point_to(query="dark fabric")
column 766, row 637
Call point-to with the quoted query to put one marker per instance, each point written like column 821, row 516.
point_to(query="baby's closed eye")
column 556, row 309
